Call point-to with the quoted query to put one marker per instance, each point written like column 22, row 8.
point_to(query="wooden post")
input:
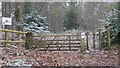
column 94, row 40
column 83, row 42
column 80, row 41
column 102, row 40
column 83, row 45
column 87, row 41
column 108, row 33
column 99, row 40
column 6, row 39
column 28, row 40
column 57, row 43
column 69, row 42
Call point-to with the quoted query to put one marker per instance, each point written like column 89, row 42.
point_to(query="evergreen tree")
column 111, row 22
column 70, row 21
column 33, row 22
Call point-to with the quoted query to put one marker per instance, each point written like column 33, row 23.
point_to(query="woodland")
column 60, row 34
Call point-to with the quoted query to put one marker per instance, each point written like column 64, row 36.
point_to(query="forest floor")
column 18, row 56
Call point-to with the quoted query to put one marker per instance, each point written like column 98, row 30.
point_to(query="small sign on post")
column 6, row 21
column 83, row 35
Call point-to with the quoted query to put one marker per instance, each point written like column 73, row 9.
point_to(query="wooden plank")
column 28, row 43
column 69, row 42
column 99, row 40
column 57, row 46
column 102, row 40
column 63, row 42
column 94, row 40
column 6, row 44
column 51, row 42
column 59, row 50
column 55, row 35
column 109, row 42
column 80, row 41
column 87, row 41
column 55, row 43
column 4, row 41
column 6, row 30
column 55, row 40
column 83, row 45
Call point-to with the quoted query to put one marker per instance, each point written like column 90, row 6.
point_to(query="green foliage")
column 111, row 23
column 33, row 22
column 70, row 21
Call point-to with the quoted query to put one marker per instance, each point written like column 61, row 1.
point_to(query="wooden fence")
column 57, row 42
column 6, row 40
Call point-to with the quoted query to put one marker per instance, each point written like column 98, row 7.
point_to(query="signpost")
column 82, row 39
column 6, row 21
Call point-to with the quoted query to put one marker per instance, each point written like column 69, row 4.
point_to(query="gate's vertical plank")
column 57, row 42
column 44, row 41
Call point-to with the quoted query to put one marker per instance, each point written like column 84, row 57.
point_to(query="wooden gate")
column 61, row 42
column 56, row 42
column 68, row 42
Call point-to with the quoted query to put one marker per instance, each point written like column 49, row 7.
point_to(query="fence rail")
column 6, row 30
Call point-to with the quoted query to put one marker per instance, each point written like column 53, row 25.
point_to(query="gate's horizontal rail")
column 55, row 35
column 12, row 41
column 54, row 43
column 56, row 40
column 59, row 50
column 56, row 46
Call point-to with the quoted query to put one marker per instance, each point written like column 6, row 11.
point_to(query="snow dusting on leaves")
column 34, row 23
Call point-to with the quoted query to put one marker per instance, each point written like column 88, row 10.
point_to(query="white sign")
column 83, row 35
column 6, row 21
